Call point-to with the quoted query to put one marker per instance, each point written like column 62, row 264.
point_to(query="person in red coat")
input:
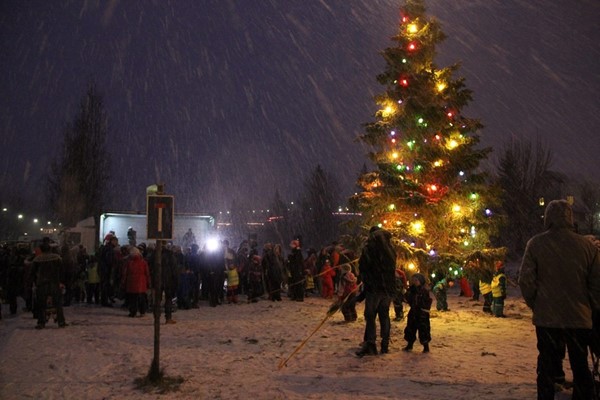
column 327, row 275
column 136, row 281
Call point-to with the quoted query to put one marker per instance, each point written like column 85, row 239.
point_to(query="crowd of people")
column 559, row 278
column 124, row 274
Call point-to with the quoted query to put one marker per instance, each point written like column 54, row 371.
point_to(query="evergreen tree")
column 319, row 201
column 79, row 177
column 427, row 188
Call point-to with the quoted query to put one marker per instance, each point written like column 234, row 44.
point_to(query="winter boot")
column 408, row 347
column 385, row 348
column 368, row 349
column 426, row 348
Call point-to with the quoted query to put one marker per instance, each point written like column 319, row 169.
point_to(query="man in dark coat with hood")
column 560, row 281
column 377, row 271
column 49, row 282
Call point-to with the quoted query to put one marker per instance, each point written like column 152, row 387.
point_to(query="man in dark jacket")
column 377, row 269
column 560, row 281
column 296, row 268
column 49, row 282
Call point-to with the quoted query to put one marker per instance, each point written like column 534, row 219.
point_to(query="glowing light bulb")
column 394, row 155
column 412, row 28
column 441, row 86
column 456, row 208
column 388, row 111
column 452, row 144
column 417, row 227
column 412, row 46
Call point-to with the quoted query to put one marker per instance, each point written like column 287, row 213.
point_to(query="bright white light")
column 212, row 244
column 20, row 216
column 35, row 220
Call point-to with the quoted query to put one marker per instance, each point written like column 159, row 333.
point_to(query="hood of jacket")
column 558, row 214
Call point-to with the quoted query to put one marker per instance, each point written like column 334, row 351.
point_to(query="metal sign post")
column 159, row 211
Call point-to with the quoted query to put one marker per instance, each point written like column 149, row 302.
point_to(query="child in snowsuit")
column 498, row 290
column 233, row 281
column 327, row 275
column 485, row 288
column 418, row 317
column 440, row 291
column 398, row 300
column 347, row 292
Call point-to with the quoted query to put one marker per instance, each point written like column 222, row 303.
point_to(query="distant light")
column 20, row 216
column 49, row 223
column 461, row 173
column 488, row 212
column 35, row 220
column 5, row 209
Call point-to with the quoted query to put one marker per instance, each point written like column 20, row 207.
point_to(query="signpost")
column 159, row 212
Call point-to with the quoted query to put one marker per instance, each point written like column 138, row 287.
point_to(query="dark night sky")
column 232, row 99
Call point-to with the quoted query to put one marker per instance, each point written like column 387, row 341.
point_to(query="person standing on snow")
column 49, row 275
column 377, row 266
column 559, row 278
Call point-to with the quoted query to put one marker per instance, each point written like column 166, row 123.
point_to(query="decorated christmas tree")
column 426, row 186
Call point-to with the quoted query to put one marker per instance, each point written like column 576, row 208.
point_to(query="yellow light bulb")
column 441, row 86
column 387, row 111
column 456, row 208
column 417, row 227
column 452, row 144
column 412, row 28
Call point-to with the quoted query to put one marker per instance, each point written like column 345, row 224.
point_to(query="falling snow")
column 225, row 100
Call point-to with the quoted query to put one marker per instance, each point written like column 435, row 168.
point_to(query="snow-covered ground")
column 234, row 352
